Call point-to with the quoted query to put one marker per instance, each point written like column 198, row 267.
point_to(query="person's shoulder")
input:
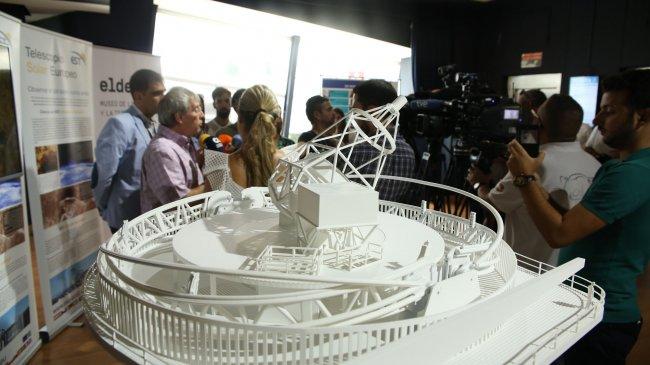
column 637, row 168
column 404, row 147
column 127, row 116
column 574, row 157
column 284, row 141
column 401, row 142
column 640, row 159
column 120, row 120
column 160, row 146
column 116, row 125
column 625, row 173
column 306, row 136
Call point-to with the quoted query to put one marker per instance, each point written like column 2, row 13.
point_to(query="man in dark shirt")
column 221, row 123
column 609, row 227
column 321, row 115
column 371, row 94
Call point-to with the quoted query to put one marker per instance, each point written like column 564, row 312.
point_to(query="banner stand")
column 18, row 311
column 57, row 114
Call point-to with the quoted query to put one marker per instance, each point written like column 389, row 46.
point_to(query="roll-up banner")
column 112, row 69
column 57, row 116
column 18, row 317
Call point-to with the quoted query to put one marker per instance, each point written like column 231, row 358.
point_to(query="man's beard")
column 623, row 136
column 223, row 113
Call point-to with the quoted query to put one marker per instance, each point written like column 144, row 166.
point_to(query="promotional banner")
column 18, row 317
column 57, row 116
column 112, row 69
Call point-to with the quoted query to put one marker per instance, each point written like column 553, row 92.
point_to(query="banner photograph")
column 10, row 163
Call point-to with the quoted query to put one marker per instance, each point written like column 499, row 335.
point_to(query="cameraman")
column 609, row 228
column 565, row 175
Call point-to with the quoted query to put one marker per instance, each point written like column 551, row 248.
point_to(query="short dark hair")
column 563, row 118
column 142, row 79
column 635, row 82
column 236, row 96
column 375, row 92
column 535, row 96
column 313, row 104
column 219, row 91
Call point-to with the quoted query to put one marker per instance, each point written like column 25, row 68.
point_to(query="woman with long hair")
column 253, row 163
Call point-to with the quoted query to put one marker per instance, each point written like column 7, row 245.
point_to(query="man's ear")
column 177, row 118
column 644, row 115
column 137, row 95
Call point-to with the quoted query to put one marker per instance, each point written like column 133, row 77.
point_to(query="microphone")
column 208, row 142
column 237, row 141
column 428, row 104
column 226, row 139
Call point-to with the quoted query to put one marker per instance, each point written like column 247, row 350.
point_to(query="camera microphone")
column 236, row 141
column 208, row 142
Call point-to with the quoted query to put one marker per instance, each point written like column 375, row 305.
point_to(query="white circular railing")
column 212, row 328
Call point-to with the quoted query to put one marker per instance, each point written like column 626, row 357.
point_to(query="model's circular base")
column 231, row 240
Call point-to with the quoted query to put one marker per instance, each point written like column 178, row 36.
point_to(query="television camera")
column 470, row 121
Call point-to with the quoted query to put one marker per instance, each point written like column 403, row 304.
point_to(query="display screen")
column 584, row 89
column 10, row 164
column 511, row 114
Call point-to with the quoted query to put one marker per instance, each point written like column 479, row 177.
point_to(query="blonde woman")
column 253, row 163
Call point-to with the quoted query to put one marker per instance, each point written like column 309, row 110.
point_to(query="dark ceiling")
column 388, row 20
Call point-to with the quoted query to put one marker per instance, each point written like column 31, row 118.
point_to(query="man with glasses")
column 565, row 176
column 170, row 170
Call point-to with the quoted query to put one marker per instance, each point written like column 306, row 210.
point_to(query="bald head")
column 561, row 117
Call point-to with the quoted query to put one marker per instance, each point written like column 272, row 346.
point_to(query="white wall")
column 201, row 54
column 205, row 43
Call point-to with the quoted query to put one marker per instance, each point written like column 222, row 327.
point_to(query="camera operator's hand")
column 520, row 162
column 475, row 175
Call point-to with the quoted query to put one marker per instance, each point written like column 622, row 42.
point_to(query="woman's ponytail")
column 259, row 149
column 258, row 110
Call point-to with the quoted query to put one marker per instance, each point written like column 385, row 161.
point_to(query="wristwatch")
column 478, row 185
column 523, row 180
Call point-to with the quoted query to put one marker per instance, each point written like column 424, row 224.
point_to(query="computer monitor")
column 584, row 89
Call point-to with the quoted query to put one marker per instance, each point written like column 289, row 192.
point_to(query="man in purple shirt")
column 169, row 167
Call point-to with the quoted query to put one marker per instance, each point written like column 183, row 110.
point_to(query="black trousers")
column 113, row 230
column 607, row 343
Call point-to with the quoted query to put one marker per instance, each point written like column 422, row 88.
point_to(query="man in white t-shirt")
column 597, row 147
column 566, row 173
column 583, row 134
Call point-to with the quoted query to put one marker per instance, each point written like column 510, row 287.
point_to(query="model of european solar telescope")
column 316, row 269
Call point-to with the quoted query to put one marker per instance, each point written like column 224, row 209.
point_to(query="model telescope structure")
column 316, row 269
